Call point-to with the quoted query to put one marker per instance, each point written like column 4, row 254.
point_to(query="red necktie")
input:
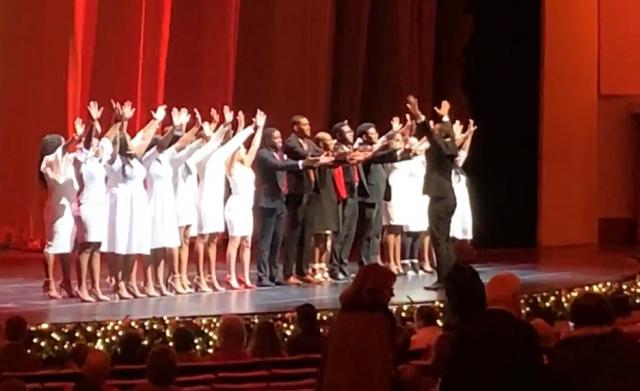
column 338, row 181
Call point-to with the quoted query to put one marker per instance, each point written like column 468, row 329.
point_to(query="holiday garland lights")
column 53, row 342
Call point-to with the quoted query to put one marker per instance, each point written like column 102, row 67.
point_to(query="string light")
column 53, row 341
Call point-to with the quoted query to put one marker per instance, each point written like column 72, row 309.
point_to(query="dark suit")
column 271, row 191
column 348, row 212
column 442, row 201
column 300, row 187
column 371, row 192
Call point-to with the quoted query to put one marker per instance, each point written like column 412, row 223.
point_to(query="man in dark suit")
column 371, row 191
column 347, row 208
column 271, row 165
column 299, row 146
column 437, row 184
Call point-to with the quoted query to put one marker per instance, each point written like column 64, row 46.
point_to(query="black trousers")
column 297, row 237
column 371, row 213
column 269, row 241
column 440, row 211
column 343, row 239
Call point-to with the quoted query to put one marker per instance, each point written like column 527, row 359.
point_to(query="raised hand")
column 160, row 113
column 471, row 127
column 413, row 107
column 457, row 129
column 127, row 110
column 215, row 117
column 261, row 118
column 185, row 117
column 240, row 119
column 206, row 129
column 117, row 110
column 78, row 126
column 94, row 110
column 395, row 124
column 443, row 110
column 175, row 116
column 227, row 113
column 196, row 114
column 432, row 124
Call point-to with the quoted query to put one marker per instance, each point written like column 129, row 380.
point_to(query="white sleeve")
column 107, row 149
column 149, row 157
column 460, row 159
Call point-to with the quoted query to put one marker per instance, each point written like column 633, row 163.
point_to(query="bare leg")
column 94, row 260
column 427, row 263
column 212, row 250
column 129, row 275
column 397, row 249
column 65, row 285
column 175, row 281
column 49, row 286
column 325, row 250
column 148, row 265
column 388, row 248
column 200, row 280
column 185, row 237
column 120, row 285
column 232, row 253
column 82, row 270
column 245, row 256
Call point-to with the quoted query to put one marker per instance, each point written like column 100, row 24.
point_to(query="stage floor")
column 540, row 270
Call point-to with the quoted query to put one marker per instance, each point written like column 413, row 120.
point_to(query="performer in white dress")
column 238, row 211
column 129, row 217
column 462, row 220
column 59, row 212
column 91, row 159
column 209, row 161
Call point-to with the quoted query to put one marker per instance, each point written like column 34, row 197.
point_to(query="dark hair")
column 427, row 315
column 183, row 340
column 591, row 309
column 296, row 119
column 162, row 367
column 15, row 328
column 265, row 341
column 307, row 315
column 620, row 304
column 78, row 354
column 153, row 142
column 466, row 297
column 129, row 348
column 363, row 128
column 49, row 144
column 267, row 135
column 336, row 130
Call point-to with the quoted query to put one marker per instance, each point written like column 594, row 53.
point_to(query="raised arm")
column 464, row 150
column 224, row 152
column 144, row 136
column 259, row 122
column 95, row 112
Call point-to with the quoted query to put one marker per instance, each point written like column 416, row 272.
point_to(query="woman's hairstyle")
column 231, row 332
column 369, row 288
column 265, row 341
column 50, row 143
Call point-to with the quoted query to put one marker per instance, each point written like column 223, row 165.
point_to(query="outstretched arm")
column 464, row 150
column 144, row 136
column 259, row 122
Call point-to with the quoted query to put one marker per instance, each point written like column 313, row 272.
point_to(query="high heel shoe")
column 164, row 291
column 67, row 288
column 246, row 283
column 175, row 285
column 184, row 279
column 132, row 287
column 201, row 285
column 216, row 286
column 48, row 289
column 150, row 291
column 98, row 295
column 85, row 298
column 121, row 291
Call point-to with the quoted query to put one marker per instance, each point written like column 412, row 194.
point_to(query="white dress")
column 418, row 219
column 462, row 219
column 185, row 184
column 162, row 198
column 60, row 208
column 209, row 162
column 128, row 229
column 93, row 197
column 397, row 211
column 238, row 211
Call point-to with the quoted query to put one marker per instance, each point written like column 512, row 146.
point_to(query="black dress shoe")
column 279, row 283
column 436, row 286
column 265, row 284
column 337, row 277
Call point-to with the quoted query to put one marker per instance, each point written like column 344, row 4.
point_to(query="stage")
column 540, row 271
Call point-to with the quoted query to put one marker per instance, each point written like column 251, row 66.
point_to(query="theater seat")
column 242, row 377
column 301, row 361
column 125, row 384
column 298, row 385
column 199, row 380
column 57, row 386
column 239, row 387
column 278, row 375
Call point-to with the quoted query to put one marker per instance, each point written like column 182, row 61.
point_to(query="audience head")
column 465, row 293
column 301, row 126
column 129, row 346
column 15, row 329
column 272, row 139
column 368, row 133
column 162, row 367
column 372, row 287
column 503, row 291
column 443, row 131
column 325, row 141
column 591, row 309
column 231, row 334
column 343, row 132
column 183, row 340
column 96, row 366
column 425, row 316
column 265, row 341
column 78, row 354
column 307, row 316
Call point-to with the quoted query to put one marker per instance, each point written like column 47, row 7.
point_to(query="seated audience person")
column 547, row 334
column 624, row 318
column 427, row 330
column 265, row 341
column 14, row 356
column 184, row 345
column 595, row 355
column 130, row 350
column 360, row 353
column 308, row 338
column 496, row 350
column 162, row 369
column 231, row 340
column 95, row 370
column 77, row 355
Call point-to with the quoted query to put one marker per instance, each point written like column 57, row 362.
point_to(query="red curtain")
column 328, row 60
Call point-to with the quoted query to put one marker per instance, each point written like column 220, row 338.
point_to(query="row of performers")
column 144, row 198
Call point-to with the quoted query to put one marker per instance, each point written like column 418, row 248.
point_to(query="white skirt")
column 60, row 230
column 94, row 218
column 164, row 221
column 393, row 213
column 128, row 232
column 187, row 215
column 210, row 217
column 462, row 219
column 418, row 220
column 238, row 214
